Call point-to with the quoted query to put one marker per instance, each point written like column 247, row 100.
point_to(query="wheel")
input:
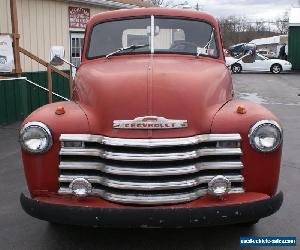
column 54, row 224
column 236, row 68
column 248, row 223
column 276, row 68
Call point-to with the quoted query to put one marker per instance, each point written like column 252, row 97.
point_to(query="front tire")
column 276, row 68
column 248, row 223
column 236, row 68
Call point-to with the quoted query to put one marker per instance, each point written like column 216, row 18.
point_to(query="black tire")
column 54, row 224
column 276, row 68
column 248, row 224
column 236, row 68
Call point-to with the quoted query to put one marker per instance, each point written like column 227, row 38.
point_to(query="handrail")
column 41, row 61
column 17, row 50
column 50, row 68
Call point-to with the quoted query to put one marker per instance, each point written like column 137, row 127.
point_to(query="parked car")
column 261, row 63
column 153, row 136
column 267, row 53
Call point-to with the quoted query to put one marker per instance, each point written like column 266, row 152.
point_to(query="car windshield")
column 152, row 35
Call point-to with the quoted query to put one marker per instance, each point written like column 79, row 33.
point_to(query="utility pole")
column 200, row 7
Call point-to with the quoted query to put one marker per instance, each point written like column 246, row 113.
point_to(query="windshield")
column 152, row 35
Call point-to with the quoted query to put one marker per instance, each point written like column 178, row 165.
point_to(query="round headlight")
column 35, row 137
column 265, row 136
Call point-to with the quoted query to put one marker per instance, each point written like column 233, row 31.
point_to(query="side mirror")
column 57, row 53
column 249, row 53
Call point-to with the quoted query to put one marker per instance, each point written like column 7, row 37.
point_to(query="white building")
column 45, row 23
column 271, row 44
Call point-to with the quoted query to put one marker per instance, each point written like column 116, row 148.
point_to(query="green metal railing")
column 20, row 96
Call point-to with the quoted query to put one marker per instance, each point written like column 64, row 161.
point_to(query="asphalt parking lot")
column 280, row 93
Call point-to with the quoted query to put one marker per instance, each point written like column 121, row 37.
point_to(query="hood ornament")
column 150, row 122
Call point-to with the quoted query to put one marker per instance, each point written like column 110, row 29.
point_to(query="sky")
column 252, row 9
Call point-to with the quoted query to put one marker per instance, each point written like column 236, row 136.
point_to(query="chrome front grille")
column 150, row 171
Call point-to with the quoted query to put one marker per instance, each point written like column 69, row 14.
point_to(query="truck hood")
column 173, row 87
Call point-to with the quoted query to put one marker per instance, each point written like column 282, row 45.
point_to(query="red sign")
column 78, row 17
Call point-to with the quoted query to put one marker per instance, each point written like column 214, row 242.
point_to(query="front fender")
column 41, row 170
column 261, row 170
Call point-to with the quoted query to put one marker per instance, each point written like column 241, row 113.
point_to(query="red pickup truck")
column 153, row 136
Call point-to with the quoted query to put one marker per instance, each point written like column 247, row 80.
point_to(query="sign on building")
column 6, row 54
column 78, row 17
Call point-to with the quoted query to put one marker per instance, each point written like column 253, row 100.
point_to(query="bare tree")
column 240, row 30
column 282, row 23
column 157, row 2
column 167, row 3
column 164, row 3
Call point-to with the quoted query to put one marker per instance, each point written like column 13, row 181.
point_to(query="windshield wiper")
column 131, row 47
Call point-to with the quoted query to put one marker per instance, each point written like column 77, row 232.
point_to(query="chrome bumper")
column 69, row 213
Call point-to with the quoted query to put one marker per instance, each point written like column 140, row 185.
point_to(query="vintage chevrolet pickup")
column 153, row 136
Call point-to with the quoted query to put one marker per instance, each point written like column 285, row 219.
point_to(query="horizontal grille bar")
column 150, row 143
column 140, row 171
column 179, row 156
column 131, row 185
column 150, row 171
column 150, row 199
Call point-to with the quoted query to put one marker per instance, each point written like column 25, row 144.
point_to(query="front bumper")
column 152, row 216
column 287, row 67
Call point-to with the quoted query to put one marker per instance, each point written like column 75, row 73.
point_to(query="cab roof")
column 153, row 11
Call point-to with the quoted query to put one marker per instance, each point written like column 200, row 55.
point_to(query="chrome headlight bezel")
column 255, row 128
column 44, row 129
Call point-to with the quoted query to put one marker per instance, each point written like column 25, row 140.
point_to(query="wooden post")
column 16, row 36
column 49, row 83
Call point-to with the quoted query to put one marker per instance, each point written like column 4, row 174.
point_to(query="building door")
column 76, row 47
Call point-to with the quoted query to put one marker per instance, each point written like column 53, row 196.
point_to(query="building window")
column 76, row 47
